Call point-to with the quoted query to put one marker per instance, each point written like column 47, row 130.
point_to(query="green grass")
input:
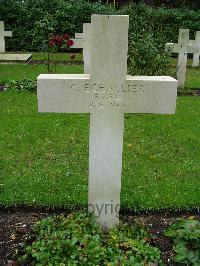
column 192, row 74
column 57, row 56
column 44, row 157
column 173, row 62
column 18, row 71
column 193, row 78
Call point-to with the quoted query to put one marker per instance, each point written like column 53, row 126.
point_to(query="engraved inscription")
column 110, row 96
column 95, row 88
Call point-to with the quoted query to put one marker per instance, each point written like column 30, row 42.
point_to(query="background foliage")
column 149, row 30
column 169, row 3
column 32, row 20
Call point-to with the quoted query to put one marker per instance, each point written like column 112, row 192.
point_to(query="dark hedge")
column 32, row 20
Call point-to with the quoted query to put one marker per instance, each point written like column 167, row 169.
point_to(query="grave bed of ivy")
column 162, row 237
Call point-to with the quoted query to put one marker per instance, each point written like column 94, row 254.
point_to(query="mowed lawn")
column 53, row 56
column 44, row 157
column 18, row 71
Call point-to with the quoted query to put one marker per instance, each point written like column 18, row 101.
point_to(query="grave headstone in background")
column 3, row 34
column 183, row 47
column 196, row 56
column 82, row 40
column 8, row 57
column 15, row 58
column 107, row 93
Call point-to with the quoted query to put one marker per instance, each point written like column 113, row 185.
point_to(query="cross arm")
column 192, row 47
column 63, row 93
column 78, row 43
column 150, row 94
column 8, row 33
column 172, row 47
column 78, row 35
column 77, row 93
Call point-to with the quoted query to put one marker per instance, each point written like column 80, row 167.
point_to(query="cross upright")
column 82, row 40
column 107, row 93
column 183, row 47
column 196, row 55
column 3, row 34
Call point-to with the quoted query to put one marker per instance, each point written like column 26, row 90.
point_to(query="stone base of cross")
column 3, row 34
column 107, row 93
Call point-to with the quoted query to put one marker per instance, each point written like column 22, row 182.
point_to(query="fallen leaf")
column 13, row 237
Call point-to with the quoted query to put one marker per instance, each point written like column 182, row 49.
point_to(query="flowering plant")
column 60, row 41
column 55, row 44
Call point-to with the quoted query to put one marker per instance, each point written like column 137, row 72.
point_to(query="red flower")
column 70, row 43
column 59, row 40
column 66, row 36
column 51, row 43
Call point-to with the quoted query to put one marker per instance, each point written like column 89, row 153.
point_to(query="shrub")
column 149, row 30
column 140, row 62
column 186, row 238
column 164, row 23
column 33, row 20
column 23, row 84
column 78, row 240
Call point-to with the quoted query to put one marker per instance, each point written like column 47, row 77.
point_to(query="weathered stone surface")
column 15, row 58
column 106, row 93
column 183, row 47
column 196, row 54
column 3, row 34
column 77, row 93
column 82, row 40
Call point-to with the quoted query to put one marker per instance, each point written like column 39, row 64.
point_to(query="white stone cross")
column 107, row 93
column 82, row 40
column 195, row 61
column 3, row 34
column 183, row 47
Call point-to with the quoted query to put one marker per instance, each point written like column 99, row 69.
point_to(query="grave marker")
column 107, row 93
column 195, row 61
column 3, row 34
column 183, row 47
column 15, row 58
column 82, row 40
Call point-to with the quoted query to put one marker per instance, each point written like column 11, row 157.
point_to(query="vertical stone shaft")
column 195, row 61
column 183, row 40
column 108, row 68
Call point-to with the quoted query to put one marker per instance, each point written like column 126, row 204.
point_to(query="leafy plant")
column 33, row 20
column 78, row 240
column 149, row 30
column 23, row 84
column 55, row 44
column 186, row 237
column 185, row 91
column 147, row 56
